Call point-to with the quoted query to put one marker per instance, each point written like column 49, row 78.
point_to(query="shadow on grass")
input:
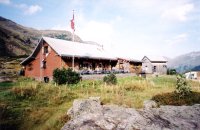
column 9, row 118
column 6, row 84
column 174, row 99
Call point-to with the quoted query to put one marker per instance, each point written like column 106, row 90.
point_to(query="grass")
column 29, row 104
column 5, row 85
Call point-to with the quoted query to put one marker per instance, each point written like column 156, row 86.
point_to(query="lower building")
column 193, row 75
column 154, row 65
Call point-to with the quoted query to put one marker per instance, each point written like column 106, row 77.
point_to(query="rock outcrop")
column 89, row 114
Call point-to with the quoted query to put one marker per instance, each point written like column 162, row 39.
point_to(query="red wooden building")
column 52, row 53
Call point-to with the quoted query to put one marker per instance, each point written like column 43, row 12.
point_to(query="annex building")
column 154, row 65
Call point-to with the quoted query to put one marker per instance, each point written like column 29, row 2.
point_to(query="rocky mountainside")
column 17, row 40
column 196, row 68
column 89, row 114
column 185, row 62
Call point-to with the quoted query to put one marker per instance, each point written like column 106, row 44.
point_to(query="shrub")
column 171, row 98
column 110, row 79
column 59, row 76
column 65, row 76
column 72, row 76
column 171, row 71
column 182, row 87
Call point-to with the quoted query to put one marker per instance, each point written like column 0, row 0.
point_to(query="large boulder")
column 89, row 114
column 81, row 107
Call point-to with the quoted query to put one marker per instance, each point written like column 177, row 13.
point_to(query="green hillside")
column 17, row 40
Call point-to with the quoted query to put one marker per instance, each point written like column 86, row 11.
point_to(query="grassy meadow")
column 33, row 105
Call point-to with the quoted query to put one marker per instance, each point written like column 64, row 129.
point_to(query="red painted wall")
column 53, row 61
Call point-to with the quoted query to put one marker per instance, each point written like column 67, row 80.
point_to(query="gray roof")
column 130, row 59
column 68, row 48
column 156, row 58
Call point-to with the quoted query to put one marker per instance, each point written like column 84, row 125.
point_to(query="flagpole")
column 73, row 54
column 73, row 41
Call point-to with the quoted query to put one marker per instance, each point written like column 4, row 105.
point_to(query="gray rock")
column 91, row 105
column 150, row 104
column 88, row 114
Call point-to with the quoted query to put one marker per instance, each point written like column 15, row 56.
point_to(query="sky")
column 129, row 28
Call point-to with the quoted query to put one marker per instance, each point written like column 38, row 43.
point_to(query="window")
column 44, row 64
column 30, row 67
column 46, row 79
column 45, row 49
column 100, row 65
column 164, row 66
column 191, row 76
column 154, row 68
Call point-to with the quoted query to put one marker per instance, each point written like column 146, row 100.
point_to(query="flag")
column 72, row 22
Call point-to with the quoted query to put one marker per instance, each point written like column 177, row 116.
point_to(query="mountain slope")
column 185, row 62
column 196, row 68
column 17, row 40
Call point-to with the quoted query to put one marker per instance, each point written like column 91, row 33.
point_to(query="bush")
column 65, row 76
column 110, row 79
column 59, row 76
column 172, row 98
column 72, row 76
column 182, row 87
column 171, row 72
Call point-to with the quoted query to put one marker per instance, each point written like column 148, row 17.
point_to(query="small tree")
column 59, row 76
column 182, row 87
column 72, row 77
column 65, row 76
column 171, row 71
column 110, row 79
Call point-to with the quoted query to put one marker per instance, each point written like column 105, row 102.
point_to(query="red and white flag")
column 72, row 22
